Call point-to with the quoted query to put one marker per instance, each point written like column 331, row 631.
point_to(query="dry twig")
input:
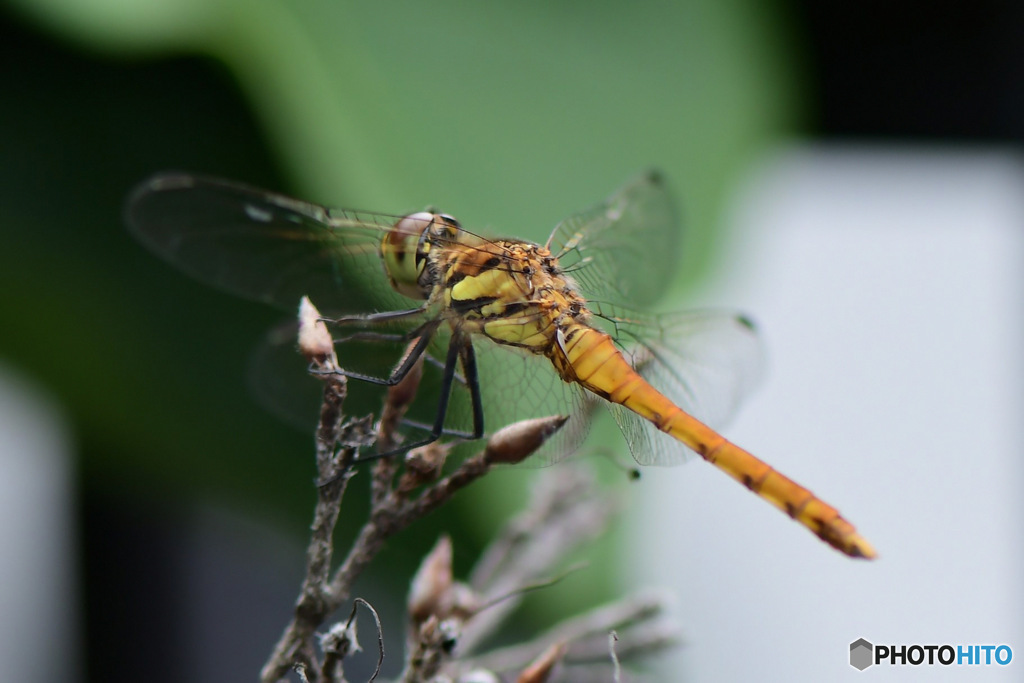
column 448, row 619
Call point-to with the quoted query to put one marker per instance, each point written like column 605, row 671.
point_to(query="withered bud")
column 540, row 670
column 516, row 442
column 315, row 342
column 465, row 601
column 430, row 590
column 423, row 465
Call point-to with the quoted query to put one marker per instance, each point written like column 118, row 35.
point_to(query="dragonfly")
column 558, row 320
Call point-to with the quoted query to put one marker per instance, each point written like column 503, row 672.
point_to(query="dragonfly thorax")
column 405, row 251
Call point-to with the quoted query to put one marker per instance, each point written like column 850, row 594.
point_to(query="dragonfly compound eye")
column 404, row 252
column 448, row 225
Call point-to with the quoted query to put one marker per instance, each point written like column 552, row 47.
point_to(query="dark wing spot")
column 449, row 220
column 746, row 322
column 655, row 177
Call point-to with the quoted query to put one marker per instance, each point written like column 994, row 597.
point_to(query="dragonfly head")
column 405, row 250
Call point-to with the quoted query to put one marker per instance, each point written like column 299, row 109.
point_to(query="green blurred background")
column 508, row 115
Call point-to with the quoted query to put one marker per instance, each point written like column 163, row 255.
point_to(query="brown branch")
column 337, row 448
column 586, row 635
column 400, row 396
column 337, row 445
column 566, row 511
column 393, row 515
column 295, row 644
column 318, row 600
column 642, row 639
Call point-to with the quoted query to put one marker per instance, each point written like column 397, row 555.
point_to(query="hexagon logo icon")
column 861, row 654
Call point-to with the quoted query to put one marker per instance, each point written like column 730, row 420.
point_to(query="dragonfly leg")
column 370, row 335
column 424, row 427
column 376, row 318
column 473, row 382
column 454, row 352
column 404, row 366
column 367, row 335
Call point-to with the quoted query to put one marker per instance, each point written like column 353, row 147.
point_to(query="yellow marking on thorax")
column 517, row 331
column 504, row 286
column 519, row 300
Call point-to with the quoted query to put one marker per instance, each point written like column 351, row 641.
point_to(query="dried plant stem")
column 448, row 619
column 320, row 597
column 566, row 511
column 633, row 612
column 613, row 638
column 394, row 514
column 333, row 467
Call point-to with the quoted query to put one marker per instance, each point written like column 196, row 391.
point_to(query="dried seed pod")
column 516, row 442
column 423, row 465
column 315, row 341
column 540, row 670
column 465, row 602
column 430, row 590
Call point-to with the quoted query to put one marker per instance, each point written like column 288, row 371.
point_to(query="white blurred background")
column 888, row 286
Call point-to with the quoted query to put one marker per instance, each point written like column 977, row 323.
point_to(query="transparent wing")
column 265, row 246
column 622, row 253
column 705, row 362
column 624, row 250
column 279, row 378
column 272, row 248
column 518, row 385
column 515, row 385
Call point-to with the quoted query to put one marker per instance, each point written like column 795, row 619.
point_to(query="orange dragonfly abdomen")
column 589, row 357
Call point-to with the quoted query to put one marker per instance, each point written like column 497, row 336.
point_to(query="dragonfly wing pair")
column 274, row 249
